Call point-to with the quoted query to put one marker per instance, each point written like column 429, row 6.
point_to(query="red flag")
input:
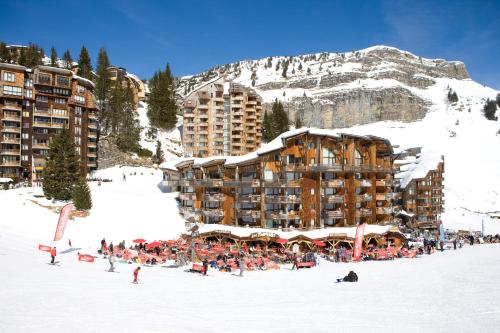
column 63, row 219
column 358, row 242
column 85, row 257
column 44, row 248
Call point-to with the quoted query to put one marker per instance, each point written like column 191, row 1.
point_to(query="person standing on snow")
column 136, row 273
column 205, row 266
column 111, row 247
column 241, row 263
column 112, row 260
column 103, row 241
column 53, row 254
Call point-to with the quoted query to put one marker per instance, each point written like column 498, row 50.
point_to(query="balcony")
column 383, row 182
column 282, row 199
column 186, row 182
column 10, row 163
column 213, row 212
column 362, row 183
column 334, row 214
column 184, row 196
column 10, row 152
column 333, row 183
column 170, row 183
column 92, row 125
column 42, row 111
column 91, row 164
column 92, row 134
column 209, row 182
column 11, row 129
column 203, row 95
column 363, row 212
column 10, row 140
column 91, row 144
column 250, row 213
column 59, row 125
column 250, row 102
column 11, row 117
column 250, row 198
column 282, row 216
column 384, row 210
column 242, row 182
column 92, row 115
column 333, row 199
column 383, row 196
column 91, row 154
column 214, row 197
column 363, row 198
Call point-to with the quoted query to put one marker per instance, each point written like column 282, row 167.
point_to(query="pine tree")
column 22, row 58
column 63, row 170
column 452, row 96
column 308, row 70
column 266, row 128
column 103, row 87
column 300, row 66
column 67, row 60
column 279, row 119
column 31, row 56
column 498, row 100
column 84, row 64
column 4, row 52
column 298, row 122
column 285, row 69
column 81, row 195
column 162, row 111
column 159, row 158
column 128, row 130
column 490, row 109
column 53, row 57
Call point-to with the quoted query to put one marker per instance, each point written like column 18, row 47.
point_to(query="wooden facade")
column 312, row 180
column 45, row 100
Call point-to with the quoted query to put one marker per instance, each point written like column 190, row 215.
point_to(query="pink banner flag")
column 85, row 257
column 63, row 219
column 358, row 242
column 44, row 248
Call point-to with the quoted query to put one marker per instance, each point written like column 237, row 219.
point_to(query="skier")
column 112, row 260
column 295, row 262
column 69, row 242
column 124, row 178
column 454, row 243
column 136, row 272
column 205, row 266
column 103, row 241
column 241, row 263
column 111, row 247
column 53, row 254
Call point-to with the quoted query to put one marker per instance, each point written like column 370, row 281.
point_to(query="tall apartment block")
column 221, row 118
column 306, row 178
column 421, row 183
column 36, row 104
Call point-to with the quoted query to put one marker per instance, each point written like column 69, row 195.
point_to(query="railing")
column 250, row 198
column 363, row 198
column 215, row 197
column 384, row 210
column 333, row 183
column 250, row 213
column 383, row 196
column 282, row 199
column 186, row 196
column 216, row 212
column 333, row 199
column 11, row 117
column 170, row 183
column 186, row 182
column 335, row 214
column 10, row 152
column 363, row 212
column 91, row 154
column 209, row 182
column 10, row 140
column 11, row 129
column 383, row 182
column 282, row 216
column 362, row 183
column 11, row 163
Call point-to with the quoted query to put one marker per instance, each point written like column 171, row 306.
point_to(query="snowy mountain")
column 394, row 94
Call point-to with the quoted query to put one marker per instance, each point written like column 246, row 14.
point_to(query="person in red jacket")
column 136, row 272
column 53, row 254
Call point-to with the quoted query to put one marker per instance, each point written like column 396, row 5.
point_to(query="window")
column 9, row 77
column 60, row 112
column 44, row 78
column 328, row 157
column 78, row 110
column 62, row 81
column 80, row 99
column 60, row 91
column 25, row 147
column 43, row 99
column 80, row 89
column 358, row 160
column 25, row 136
column 24, row 157
column 60, row 100
column 26, row 125
column 28, row 83
column 28, row 93
column 10, row 90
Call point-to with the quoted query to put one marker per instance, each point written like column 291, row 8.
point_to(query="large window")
column 9, row 77
column 358, row 160
column 60, row 91
column 62, row 81
column 79, row 99
column 328, row 157
column 10, row 90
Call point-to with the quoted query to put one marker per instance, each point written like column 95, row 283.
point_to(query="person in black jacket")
column 351, row 277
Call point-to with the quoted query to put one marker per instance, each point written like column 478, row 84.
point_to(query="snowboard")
column 55, row 263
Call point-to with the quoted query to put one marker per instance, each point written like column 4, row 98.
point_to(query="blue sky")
column 192, row 36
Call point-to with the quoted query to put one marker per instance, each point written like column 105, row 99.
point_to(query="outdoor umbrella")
column 139, row 240
column 153, row 245
column 319, row 243
column 281, row 241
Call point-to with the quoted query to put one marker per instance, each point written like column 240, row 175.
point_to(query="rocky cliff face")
column 332, row 90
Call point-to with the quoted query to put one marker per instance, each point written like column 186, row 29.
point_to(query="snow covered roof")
column 349, row 232
column 419, row 167
column 5, row 180
column 276, row 144
column 84, row 80
column 55, row 69
column 169, row 165
column 12, row 66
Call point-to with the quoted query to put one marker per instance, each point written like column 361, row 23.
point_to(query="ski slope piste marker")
column 63, row 219
column 358, row 242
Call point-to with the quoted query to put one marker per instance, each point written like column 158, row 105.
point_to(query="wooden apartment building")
column 306, row 178
column 36, row 104
column 221, row 118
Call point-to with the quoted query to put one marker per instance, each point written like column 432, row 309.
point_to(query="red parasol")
column 281, row 241
column 139, row 240
column 153, row 245
column 319, row 243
